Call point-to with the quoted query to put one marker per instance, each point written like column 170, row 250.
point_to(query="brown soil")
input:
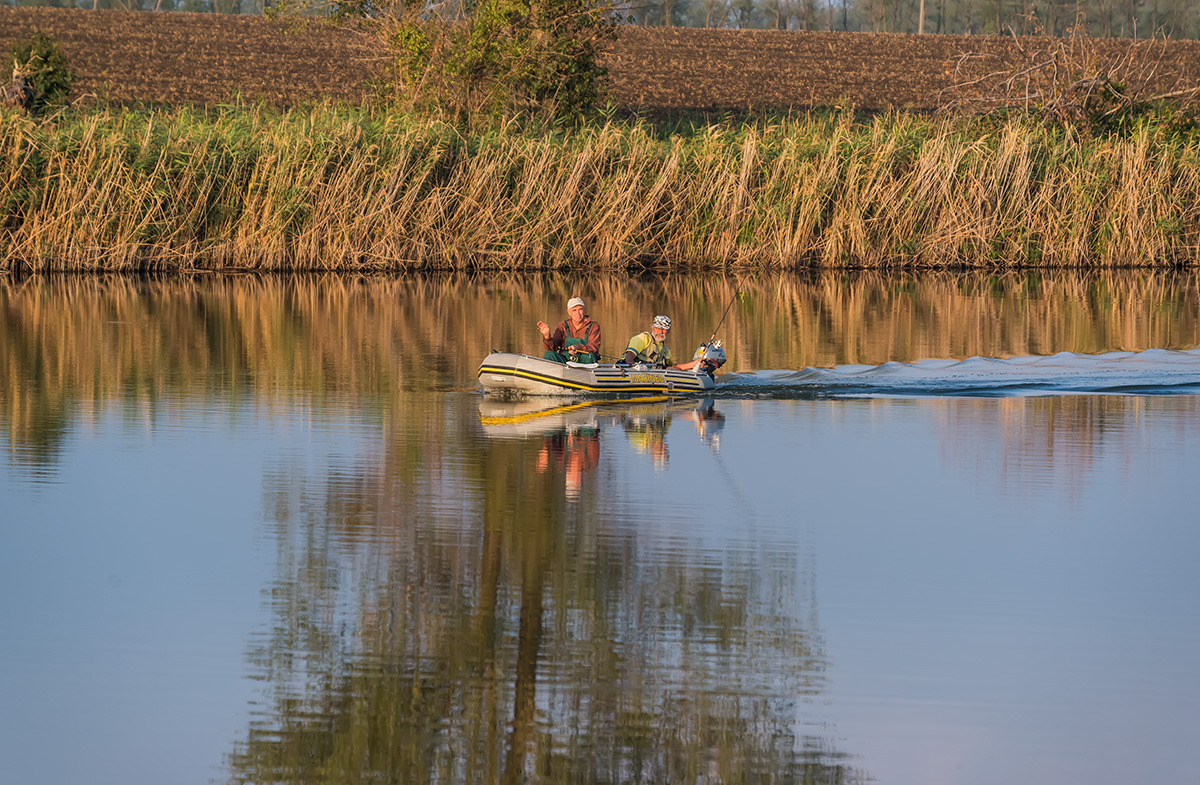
column 208, row 59
column 675, row 68
column 199, row 58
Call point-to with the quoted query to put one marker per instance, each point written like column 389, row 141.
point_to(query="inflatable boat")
column 503, row 373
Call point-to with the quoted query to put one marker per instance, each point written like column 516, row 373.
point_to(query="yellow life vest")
column 648, row 350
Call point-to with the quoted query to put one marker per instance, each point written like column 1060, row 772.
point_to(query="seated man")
column 577, row 338
column 651, row 347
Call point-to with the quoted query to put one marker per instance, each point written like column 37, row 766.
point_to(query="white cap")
column 573, row 302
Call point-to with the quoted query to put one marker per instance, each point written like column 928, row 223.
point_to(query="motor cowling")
column 711, row 355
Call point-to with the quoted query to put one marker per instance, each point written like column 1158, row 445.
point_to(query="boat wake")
column 1154, row 371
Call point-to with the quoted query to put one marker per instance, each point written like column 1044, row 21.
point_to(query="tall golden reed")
column 325, row 188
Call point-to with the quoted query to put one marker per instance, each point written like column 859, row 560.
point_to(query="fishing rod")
column 718, row 327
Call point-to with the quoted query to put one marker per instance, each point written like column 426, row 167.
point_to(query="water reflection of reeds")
column 72, row 342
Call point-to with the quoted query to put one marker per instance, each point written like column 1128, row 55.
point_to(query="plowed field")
column 201, row 58
column 206, row 58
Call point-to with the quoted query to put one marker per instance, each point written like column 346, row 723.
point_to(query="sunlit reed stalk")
column 326, row 188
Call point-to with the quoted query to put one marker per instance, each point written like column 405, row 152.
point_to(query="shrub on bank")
column 41, row 64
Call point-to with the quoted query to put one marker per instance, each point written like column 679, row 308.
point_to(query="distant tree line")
column 196, row 6
column 1107, row 18
column 1104, row 18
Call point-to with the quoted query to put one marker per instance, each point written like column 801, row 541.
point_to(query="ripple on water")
column 1147, row 372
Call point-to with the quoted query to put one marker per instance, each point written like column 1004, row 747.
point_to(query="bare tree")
column 741, row 13
column 780, row 11
column 1105, row 11
column 667, row 10
column 1053, row 15
column 1128, row 19
column 1182, row 18
column 715, row 12
column 876, row 14
column 942, row 11
column 808, row 14
column 1154, row 17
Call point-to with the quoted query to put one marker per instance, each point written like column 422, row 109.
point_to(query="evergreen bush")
column 497, row 58
column 41, row 60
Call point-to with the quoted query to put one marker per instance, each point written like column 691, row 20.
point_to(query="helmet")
column 662, row 322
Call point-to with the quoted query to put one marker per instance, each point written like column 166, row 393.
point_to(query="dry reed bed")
column 352, row 190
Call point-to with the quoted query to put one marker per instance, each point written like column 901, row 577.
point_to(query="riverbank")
column 251, row 188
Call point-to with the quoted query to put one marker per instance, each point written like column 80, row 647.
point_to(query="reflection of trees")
column 72, row 344
column 504, row 636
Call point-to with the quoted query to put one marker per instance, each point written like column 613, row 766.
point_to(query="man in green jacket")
column 577, row 338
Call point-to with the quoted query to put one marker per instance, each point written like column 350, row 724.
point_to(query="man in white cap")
column 651, row 348
column 577, row 338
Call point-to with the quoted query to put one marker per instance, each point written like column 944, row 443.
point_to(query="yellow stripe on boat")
column 615, row 387
column 519, row 418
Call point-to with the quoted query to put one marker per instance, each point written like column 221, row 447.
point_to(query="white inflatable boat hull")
column 503, row 373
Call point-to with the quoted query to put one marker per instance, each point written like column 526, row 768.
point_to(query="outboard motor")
column 712, row 355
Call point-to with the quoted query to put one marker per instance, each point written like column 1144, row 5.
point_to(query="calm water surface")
column 930, row 529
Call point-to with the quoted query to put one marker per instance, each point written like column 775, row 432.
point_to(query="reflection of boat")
column 523, row 418
column 570, row 427
column 709, row 423
column 520, row 374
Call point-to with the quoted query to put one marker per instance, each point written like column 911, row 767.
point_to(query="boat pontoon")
column 504, row 373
